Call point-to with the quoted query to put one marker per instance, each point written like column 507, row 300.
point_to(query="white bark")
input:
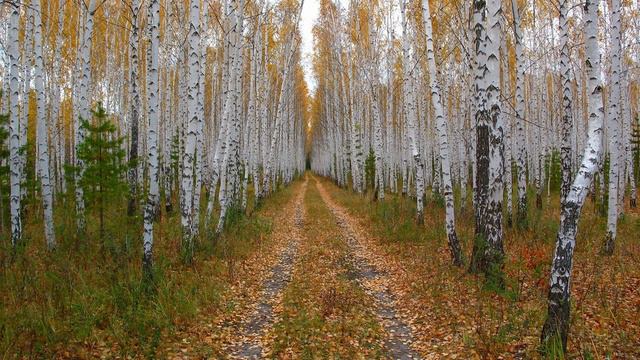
column 231, row 115
column 153, row 91
column 490, row 150
column 613, row 120
column 567, row 114
column 186, row 190
column 410, row 115
column 496, row 137
column 290, row 50
column 134, row 107
column 13, row 50
column 43, row 131
column 441, row 125
column 84, row 108
column 521, row 155
column 557, row 323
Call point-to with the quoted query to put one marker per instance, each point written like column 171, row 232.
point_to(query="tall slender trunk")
column 626, row 117
column 410, row 115
column 441, row 125
column 567, row 114
column 378, row 181
column 84, row 110
column 488, row 252
column 613, row 120
column 556, row 327
column 186, row 190
column 231, row 115
column 13, row 50
column 290, row 47
column 43, row 131
column 153, row 93
column 134, row 108
column 521, row 155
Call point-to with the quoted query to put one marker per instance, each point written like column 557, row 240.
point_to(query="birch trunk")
column 13, row 50
column 441, row 125
column 556, row 326
column 186, row 190
column 153, row 90
column 521, row 154
column 488, row 252
column 613, row 120
column 231, row 115
column 43, row 143
column 134, row 110
column 378, row 181
column 84, row 109
column 410, row 115
column 567, row 114
column 626, row 117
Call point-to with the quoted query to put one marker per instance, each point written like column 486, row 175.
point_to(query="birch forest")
column 319, row 179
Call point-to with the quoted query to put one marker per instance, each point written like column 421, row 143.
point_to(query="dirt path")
column 325, row 313
column 376, row 283
column 248, row 341
column 320, row 292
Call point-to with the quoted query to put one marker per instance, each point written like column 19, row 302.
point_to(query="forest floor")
column 364, row 281
column 454, row 314
column 321, row 272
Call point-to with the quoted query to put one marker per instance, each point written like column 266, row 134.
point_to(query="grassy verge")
column 460, row 314
column 325, row 314
column 87, row 299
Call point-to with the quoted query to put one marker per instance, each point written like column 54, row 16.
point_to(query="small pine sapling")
column 104, row 160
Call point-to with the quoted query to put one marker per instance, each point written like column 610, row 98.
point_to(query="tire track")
column 249, row 340
column 375, row 283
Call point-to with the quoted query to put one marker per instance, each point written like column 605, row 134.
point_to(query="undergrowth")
column 85, row 299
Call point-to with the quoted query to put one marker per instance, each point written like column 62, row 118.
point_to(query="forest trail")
column 256, row 286
column 374, row 281
column 323, row 278
column 248, row 342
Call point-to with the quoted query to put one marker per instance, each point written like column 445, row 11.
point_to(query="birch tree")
column 441, row 125
column 521, row 155
column 231, row 115
column 153, row 90
column 134, row 107
column 556, row 327
column 613, row 122
column 409, row 111
column 186, row 190
column 289, row 51
column 567, row 120
column 43, row 131
column 13, row 50
column 377, row 117
column 84, row 107
column 488, row 250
